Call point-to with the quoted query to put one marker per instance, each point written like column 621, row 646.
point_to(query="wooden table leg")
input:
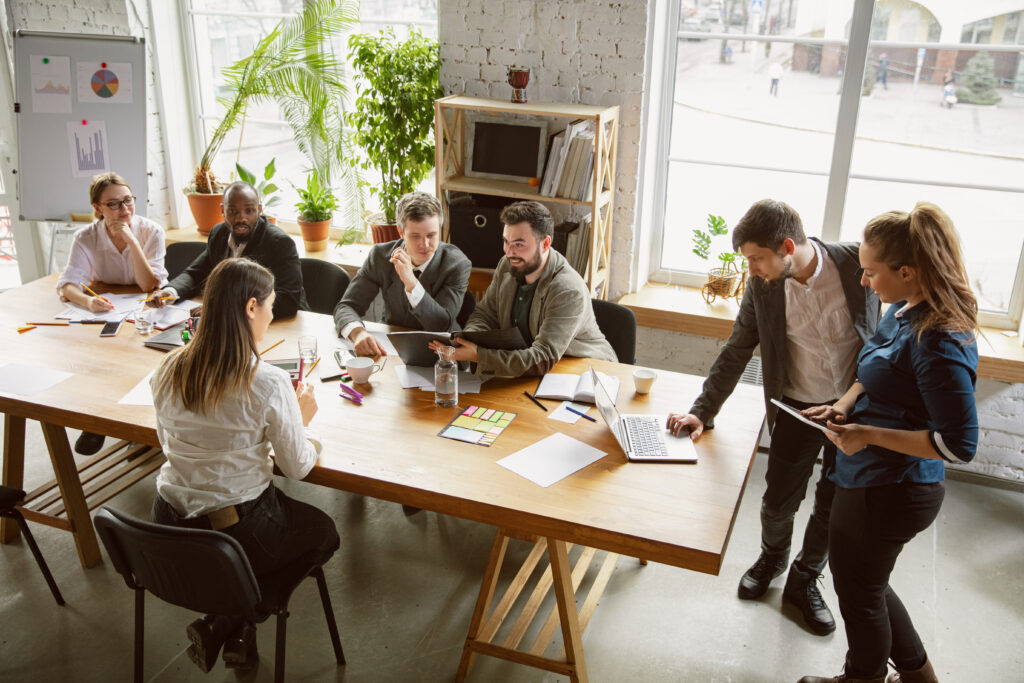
column 482, row 601
column 565, row 595
column 14, row 468
column 71, row 491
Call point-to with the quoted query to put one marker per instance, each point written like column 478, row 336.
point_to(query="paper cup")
column 643, row 379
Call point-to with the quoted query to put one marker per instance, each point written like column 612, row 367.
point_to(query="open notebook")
column 576, row 388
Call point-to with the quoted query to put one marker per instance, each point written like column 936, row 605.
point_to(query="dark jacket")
column 762, row 321
column 268, row 246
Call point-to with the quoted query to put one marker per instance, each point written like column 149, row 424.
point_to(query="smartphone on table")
column 111, row 328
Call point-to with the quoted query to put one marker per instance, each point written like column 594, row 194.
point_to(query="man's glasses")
column 116, row 205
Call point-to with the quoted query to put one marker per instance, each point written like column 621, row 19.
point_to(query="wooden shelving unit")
column 449, row 132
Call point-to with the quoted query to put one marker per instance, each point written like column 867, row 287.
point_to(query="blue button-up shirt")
column 913, row 384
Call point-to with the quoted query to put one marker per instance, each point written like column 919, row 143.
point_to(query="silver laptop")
column 643, row 438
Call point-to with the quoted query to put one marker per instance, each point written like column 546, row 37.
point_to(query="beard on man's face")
column 521, row 268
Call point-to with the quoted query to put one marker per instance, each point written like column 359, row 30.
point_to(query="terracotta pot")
column 315, row 234
column 206, row 210
column 384, row 232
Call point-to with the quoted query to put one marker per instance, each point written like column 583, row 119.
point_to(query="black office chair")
column 204, row 571
column 8, row 499
column 468, row 306
column 325, row 283
column 618, row 324
column 180, row 256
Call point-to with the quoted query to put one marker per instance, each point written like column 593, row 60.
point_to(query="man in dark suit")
column 805, row 307
column 421, row 280
column 248, row 234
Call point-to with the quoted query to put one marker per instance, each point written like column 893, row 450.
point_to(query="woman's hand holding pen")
column 98, row 304
column 307, row 402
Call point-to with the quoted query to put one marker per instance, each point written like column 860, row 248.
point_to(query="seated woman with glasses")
column 219, row 412
column 120, row 248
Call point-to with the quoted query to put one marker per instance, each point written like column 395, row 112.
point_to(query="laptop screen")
column 606, row 407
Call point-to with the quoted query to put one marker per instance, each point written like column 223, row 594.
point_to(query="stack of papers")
column 123, row 305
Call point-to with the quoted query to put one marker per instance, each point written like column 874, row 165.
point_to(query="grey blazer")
column 445, row 281
column 762, row 320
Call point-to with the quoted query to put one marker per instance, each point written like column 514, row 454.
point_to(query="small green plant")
column 702, row 243
column 266, row 188
column 350, row 235
column 980, row 80
column 316, row 201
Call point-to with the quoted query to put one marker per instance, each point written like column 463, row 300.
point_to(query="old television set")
column 505, row 148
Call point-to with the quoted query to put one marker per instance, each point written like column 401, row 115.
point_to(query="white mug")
column 360, row 368
column 643, row 378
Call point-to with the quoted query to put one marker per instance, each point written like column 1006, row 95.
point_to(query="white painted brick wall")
column 117, row 18
column 579, row 52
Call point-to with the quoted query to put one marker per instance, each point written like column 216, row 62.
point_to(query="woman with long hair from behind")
column 911, row 410
column 219, row 411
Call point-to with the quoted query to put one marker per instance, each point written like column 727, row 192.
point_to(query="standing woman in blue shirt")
column 911, row 411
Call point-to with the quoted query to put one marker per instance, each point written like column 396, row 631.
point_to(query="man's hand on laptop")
column 681, row 425
column 366, row 344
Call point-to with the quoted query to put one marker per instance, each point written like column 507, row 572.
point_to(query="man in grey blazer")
column 804, row 305
column 421, row 280
column 535, row 289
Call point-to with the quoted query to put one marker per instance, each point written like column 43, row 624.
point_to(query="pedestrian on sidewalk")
column 883, row 71
column 775, row 73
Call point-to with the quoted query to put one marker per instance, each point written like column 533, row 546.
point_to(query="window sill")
column 682, row 309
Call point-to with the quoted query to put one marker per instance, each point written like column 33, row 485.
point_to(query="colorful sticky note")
column 479, row 412
column 487, row 414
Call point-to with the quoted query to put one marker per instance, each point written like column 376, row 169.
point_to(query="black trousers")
column 794, row 450
column 869, row 528
column 273, row 529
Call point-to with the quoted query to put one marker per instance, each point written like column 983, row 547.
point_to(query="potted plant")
column 294, row 66
column 265, row 187
column 728, row 280
column 316, row 205
column 393, row 116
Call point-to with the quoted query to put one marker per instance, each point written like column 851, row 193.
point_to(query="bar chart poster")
column 105, row 82
column 87, row 144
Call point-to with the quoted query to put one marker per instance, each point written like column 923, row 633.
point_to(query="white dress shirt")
column 822, row 342
column 414, row 297
column 222, row 457
column 95, row 258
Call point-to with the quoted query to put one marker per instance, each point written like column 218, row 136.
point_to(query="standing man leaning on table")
column 806, row 308
column 421, row 280
column 535, row 289
column 120, row 248
column 248, row 234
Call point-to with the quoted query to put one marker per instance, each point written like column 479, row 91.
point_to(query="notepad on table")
column 577, row 388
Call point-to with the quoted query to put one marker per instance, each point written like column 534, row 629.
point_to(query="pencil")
column 54, row 323
column 157, row 298
column 580, row 413
column 271, row 346
column 534, row 399
column 86, row 288
column 312, row 366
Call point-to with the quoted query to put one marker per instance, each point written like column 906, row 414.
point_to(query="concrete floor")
column 404, row 589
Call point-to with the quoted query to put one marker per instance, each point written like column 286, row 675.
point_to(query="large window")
column 223, row 31
column 762, row 108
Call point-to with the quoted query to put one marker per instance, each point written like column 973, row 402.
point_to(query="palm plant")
column 291, row 67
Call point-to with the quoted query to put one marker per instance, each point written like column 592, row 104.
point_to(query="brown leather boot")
column 926, row 674
column 841, row 678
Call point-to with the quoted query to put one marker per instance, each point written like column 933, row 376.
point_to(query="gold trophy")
column 518, row 77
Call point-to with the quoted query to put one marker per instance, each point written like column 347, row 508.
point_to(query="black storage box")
column 476, row 227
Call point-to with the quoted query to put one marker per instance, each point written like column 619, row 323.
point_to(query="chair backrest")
column 204, row 571
column 325, row 283
column 468, row 306
column 180, row 256
column 618, row 324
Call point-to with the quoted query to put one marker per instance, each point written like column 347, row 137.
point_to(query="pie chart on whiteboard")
column 104, row 83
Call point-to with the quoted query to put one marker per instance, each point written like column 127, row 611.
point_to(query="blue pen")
column 583, row 415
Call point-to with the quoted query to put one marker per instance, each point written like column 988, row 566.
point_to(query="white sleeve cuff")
column 940, row 447
column 416, row 295
column 347, row 330
column 314, row 439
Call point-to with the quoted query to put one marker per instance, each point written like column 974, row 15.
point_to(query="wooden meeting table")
column 388, row 448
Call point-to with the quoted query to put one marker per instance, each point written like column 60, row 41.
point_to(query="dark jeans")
column 273, row 529
column 794, row 449
column 869, row 528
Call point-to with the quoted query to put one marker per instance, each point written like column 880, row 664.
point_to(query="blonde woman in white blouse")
column 120, row 248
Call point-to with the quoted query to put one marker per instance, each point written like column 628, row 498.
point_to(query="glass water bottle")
column 446, row 377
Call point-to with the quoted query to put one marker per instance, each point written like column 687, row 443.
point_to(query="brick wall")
column 579, row 52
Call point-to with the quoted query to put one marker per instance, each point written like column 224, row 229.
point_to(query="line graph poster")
column 105, row 82
column 87, row 144
column 51, row 84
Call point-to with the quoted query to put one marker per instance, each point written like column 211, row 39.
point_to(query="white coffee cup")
column 360, row 368
column 643, row 378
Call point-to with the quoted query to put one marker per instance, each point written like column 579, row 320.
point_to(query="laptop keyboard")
column 645, row 436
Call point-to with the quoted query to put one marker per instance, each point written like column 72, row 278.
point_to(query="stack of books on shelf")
column 569, row 170
column 572, row 239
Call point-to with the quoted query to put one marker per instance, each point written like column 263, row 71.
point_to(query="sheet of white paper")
column 563, row 415
column 551, row 459
column 468, row 382
column 123, row 305
column 26, row 380
column 796, row 413
column 169, row 316
column 141, row 394
column 411, row 376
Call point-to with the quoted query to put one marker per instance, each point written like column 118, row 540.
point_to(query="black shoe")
column 755, row 582
column 410, row 510
column 802, row 590
column 89, row 443
column 208, row 634
column 240, row 649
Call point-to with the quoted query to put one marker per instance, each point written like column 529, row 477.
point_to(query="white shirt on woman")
column 222, row 457
column 95, row 258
